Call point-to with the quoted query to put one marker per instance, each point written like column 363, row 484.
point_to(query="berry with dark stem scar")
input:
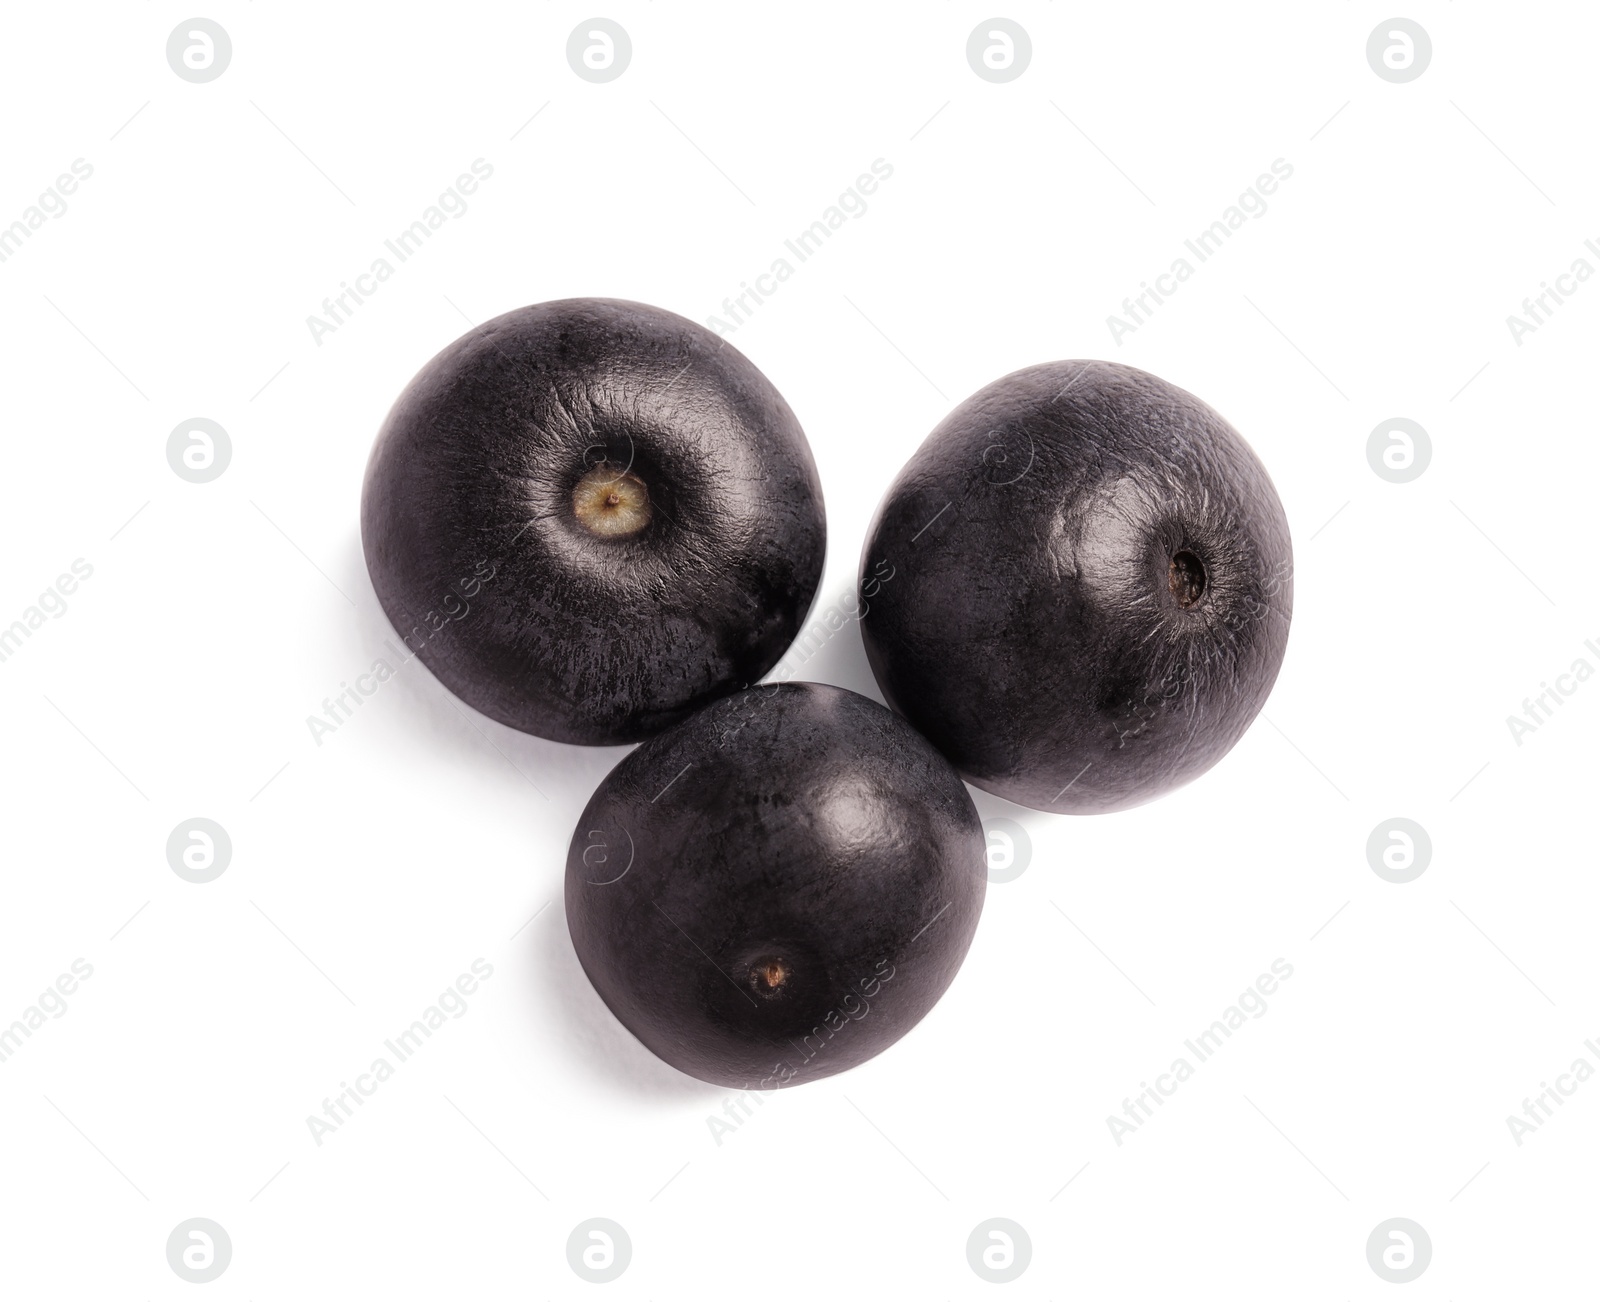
column 802, row 894
column 1092, row 630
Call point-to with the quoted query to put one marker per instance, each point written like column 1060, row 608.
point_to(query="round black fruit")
column 778, row 888
column 590, row 517
column 1093, row 587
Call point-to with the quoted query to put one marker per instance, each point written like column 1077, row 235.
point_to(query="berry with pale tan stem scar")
column 590, row 517
column 610, row 502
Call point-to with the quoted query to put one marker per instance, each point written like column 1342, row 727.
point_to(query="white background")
column 369, row 871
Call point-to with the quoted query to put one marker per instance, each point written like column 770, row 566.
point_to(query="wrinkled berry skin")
column 486, row 568
column 1092, row 592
